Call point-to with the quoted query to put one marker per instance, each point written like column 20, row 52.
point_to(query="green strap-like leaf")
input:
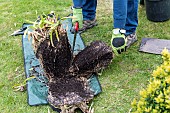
column 51, row 38
column 56, row 33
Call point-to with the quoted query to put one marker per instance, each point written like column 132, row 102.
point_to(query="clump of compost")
column 67, row 74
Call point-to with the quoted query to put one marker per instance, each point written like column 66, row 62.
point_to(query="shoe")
column 87, row 24
column 132, row 38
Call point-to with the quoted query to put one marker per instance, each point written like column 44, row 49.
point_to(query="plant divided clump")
column 156, row 97
column 68, row 87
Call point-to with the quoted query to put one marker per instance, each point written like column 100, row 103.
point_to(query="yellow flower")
column 167, row 69
column 165, row 52
column 167, row 101
column 166, row 111
column 157, row 83
column 167, row 106
column 166, row 55
column 154, row 111
column 167, row 79
column 159, row 99
column 156, row 72
column 166, row 63
column 153, row 86
column 157, row 108
column 148, row 109
column 143, row 93
column 141, row 103
column 150, row 89
column 134, row 102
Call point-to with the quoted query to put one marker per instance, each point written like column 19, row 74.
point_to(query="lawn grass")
column 121, row 81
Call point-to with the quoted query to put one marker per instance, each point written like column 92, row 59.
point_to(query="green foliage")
column 44, row 27
column 22, row 86
column 155, row 98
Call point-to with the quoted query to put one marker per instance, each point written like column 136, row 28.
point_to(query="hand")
column 118, row 41
column 77, row 16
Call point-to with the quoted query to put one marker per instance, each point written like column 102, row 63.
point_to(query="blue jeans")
column 126, row 15
column 88, row 8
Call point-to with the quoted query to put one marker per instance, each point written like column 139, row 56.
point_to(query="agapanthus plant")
column 68, row 87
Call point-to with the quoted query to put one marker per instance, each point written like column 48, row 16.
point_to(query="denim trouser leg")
column 125, row 15
column 78, row 3
column 88, row 7
column 132, row 17
column 119, row 13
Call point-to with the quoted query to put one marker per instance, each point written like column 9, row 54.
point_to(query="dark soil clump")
column 68, row 83
column 69, row 91
column 55, row 60
column 93, row 58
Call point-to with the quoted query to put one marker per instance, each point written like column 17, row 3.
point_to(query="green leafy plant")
column 21, row 86
column 46, row 26
column 156, row 97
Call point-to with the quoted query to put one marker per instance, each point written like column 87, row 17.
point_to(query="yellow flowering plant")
column 155, row 98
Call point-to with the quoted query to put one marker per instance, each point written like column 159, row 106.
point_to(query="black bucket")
column 157, row 10
column 142, row 2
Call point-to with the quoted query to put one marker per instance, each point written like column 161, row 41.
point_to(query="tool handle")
column 76, row 27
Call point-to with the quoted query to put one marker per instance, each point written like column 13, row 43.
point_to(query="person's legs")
column 119, row 13
column 118, row 40
column 131, row 22
column 89, row 9
column 78, row 3
column 77, row 12
column 86, row 9
column 89, row 14
column 132, row 17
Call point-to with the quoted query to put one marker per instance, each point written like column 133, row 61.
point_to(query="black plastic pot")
column 142, row 2
column 157, row 10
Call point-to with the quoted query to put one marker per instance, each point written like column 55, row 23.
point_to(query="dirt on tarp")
column 69, row 91
column 68, row 83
